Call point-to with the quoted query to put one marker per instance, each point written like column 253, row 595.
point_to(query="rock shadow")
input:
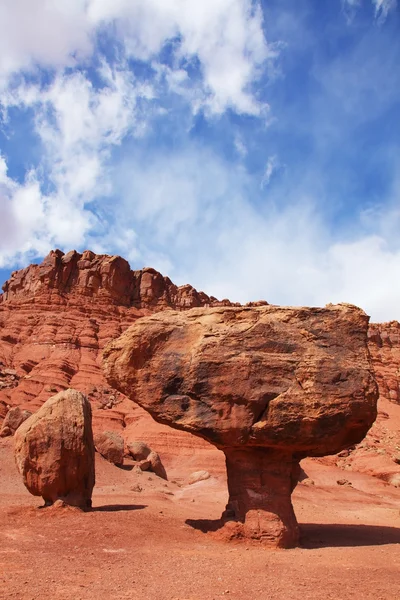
column 127, row 467
column 205, row 525
column 118, row 507
column 314, row 535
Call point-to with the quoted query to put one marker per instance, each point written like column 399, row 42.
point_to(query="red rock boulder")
column 111, row 446
column 54, row 450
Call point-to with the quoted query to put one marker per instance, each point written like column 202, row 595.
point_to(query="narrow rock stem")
column 260, row 483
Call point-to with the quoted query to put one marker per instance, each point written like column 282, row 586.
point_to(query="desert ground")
column 147, row 539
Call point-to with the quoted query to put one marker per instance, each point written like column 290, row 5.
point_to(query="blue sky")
column 248, row 148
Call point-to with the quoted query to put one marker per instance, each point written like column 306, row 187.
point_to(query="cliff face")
column 64, row 278
column 384, row 346
column 56, row 317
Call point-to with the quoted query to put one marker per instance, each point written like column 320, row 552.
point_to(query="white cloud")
column 226, row 37
column 270, row 168
column 382, row 8
column 22, row 210
column 78, row 125
column 196, row 222
column 49, row 33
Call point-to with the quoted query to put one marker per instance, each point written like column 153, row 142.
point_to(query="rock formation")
column 148, row 459
column 111, row 446
column 54, row 450
column 384, row 346
column 56, row 318
column 13, row 419
column 266, row 385
column 108, row 279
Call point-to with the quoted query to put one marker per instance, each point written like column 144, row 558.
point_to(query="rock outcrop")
column 108, row 279
column 266, row 385
column 54, row 450
column 384, row 346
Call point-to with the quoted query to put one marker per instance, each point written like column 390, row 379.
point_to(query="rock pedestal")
column 260, row 484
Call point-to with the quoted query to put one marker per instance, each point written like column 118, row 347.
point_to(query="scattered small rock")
column 395, row 480
column 343, row 482
column 198, row 476
column 136, row 488
column 343, row 453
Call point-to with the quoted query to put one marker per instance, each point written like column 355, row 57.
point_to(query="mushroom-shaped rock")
column 54, row 450
column 267, row 385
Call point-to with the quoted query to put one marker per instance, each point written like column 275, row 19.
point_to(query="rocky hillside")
column 56, row 317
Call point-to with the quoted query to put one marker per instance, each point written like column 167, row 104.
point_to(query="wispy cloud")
column 270, row 168
column 382, row 8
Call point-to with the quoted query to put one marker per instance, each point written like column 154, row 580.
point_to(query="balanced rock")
column 111, row 446
column 54, row 450
column 14, row 418
column 267, row 385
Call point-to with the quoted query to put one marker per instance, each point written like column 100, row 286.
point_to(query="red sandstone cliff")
column 56, row 317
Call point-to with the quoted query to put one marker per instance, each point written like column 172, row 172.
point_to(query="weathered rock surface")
column 384, row 346
column 54, row 450
column 111, row 446
column 14, row 418
column 266, row 385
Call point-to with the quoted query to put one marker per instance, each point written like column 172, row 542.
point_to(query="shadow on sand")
column 205, row 525
column 118, row 507
column 329, row 535
column 314, row 535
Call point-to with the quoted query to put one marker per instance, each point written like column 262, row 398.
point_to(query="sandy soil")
column 149, row 539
